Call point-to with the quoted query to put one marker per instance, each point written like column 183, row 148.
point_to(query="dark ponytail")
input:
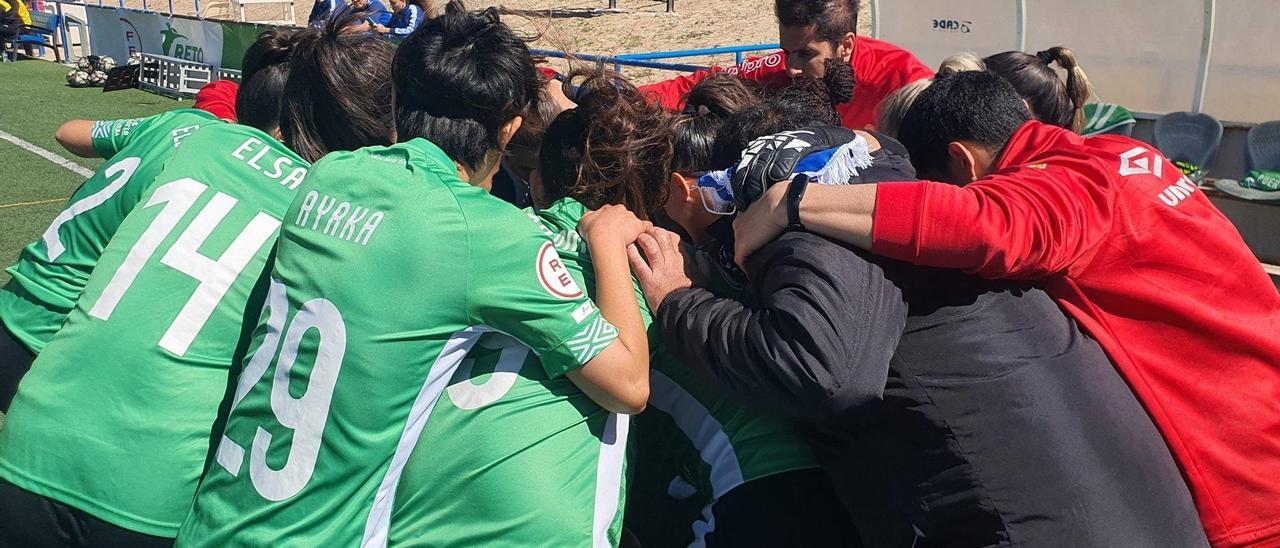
column 459, row 78
column 338, row 94
column 693, row 131
column 263, row 73
column 1053, row 100
column 1078, row 88
column 614, row 148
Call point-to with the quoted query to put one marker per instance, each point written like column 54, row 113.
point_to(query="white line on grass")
column 72, row 166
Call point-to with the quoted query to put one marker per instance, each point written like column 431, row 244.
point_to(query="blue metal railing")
column 651, row 59
column 617, row 61
column 736, row 50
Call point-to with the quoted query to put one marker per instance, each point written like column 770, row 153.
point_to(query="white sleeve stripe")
column 592, row 339
column 412, row 23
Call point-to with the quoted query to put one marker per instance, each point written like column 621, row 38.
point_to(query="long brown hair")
column 338, row 95
column 1053, row 100
column 614, row 148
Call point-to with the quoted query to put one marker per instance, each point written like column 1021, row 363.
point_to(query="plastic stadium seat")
column 1190, row 141
column 1262, row 152
column 1262, row 160
column 1107, row 118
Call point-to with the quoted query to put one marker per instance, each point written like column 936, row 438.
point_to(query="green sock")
column 1262, row 180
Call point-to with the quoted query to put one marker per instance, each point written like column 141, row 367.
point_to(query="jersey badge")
column 554, row 275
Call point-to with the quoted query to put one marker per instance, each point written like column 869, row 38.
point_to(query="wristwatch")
column 795, row 193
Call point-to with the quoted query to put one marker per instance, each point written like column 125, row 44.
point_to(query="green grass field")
column 34, row 101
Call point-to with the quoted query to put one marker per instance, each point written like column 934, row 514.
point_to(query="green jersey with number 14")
column 405, row 384
column 51, row 272
column 114, row 416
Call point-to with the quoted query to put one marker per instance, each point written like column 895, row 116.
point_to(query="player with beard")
column 811, row 33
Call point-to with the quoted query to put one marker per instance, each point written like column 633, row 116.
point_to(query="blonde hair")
column 894, row 107
column 962, row 62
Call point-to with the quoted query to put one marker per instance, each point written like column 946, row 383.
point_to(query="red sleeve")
column 671, row 93
column 914, row 70
column 899, row 68
column 1025, row 224
column 771, row 70
column 219, row 99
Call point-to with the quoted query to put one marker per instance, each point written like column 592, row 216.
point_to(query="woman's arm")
column 77, row 137
column 618, row 378
column 842, row 212
column 1025, row 224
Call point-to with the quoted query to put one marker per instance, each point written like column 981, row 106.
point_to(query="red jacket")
column 1146, row 264
column 219, row 99
column 880, row 68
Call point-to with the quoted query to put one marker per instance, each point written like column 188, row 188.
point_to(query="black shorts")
column 797, row 508
column 28, row 520
column 15, row 361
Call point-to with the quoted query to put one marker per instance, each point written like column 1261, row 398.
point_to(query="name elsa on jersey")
column 253, row 151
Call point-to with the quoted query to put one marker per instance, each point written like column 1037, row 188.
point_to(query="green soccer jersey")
column 405, row 383
column 52, row 271
column 115, row 415
column 699, row 443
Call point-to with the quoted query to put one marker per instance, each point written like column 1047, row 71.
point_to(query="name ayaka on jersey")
column 345, row 221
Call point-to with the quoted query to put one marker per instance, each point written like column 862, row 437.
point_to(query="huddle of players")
column 412, row 361
column 345, row 340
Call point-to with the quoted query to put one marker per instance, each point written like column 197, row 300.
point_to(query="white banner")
column 1148, row 56
column 119, row 32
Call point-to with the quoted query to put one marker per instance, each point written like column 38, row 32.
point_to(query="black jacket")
column 948, row 410
column 10, row 22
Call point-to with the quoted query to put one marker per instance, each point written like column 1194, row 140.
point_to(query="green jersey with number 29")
column 405, row 383
column 51, row 272
column 114, row 416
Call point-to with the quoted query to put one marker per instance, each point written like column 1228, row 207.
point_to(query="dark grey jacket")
column 948, row 410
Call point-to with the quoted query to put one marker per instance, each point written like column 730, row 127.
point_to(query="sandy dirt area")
column 588, row 26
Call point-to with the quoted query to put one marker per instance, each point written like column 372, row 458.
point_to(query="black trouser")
column 28, row 520
column 8, row 32
column 15, row 361
column 797, row 508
